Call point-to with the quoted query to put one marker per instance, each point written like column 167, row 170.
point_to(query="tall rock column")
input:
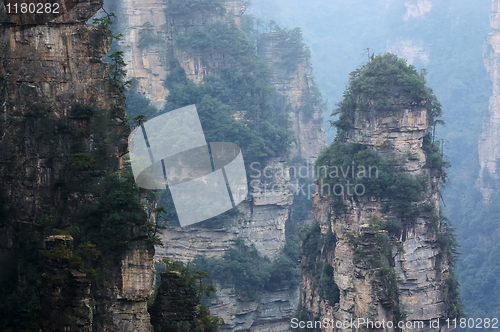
column 376, row 255
column 489, row 142
column 59, row 109
column 284, row 53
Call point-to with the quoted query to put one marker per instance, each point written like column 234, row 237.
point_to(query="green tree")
column 177, row 306
column 118, row 71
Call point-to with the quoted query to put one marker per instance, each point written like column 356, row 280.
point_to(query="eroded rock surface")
column 420, row 273
column 489, row 142
column 47, row 68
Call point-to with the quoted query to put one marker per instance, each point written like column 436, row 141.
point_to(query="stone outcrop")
column 261, row 221
column 419, row 272
column 272, row 312
column 489, row 142
column 292, row 79
column 145, row 64
column 263, row 216
column 44, row 70
column 147, row 45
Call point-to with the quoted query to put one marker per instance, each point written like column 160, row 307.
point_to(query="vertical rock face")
column 199, row 64
column 419, row 273
column 44, row 70
column 489, row 142
column 293, row 80
column 271, row 313
column 264, row 214
column 147, row 45
column 145, row 63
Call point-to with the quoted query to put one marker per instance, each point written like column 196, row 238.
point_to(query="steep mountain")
column 489, row 140
column 380, row 249
column 74, row 254
column 213, row 45
column 453, row 41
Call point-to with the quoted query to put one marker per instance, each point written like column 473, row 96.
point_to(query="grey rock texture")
column 264, row 214
column 61, row 64
column 489, row 141
column 419, row 273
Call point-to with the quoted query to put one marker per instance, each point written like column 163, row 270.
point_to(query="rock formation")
column 415, row 292
column 47, row 71
column 263, row 216
column 489, row 142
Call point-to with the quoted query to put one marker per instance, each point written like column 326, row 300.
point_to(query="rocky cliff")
column 263, row 217
column 377, row 272
column 147, row 44
column 292, row 78
column 489, row 141
column 62, row 132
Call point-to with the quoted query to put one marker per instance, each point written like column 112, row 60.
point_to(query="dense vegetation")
column 452, row 34
column 250, row 273
column 314, row 247
column 95, row 231
column 88, row 215
column 234, row 102
column 379, row 85
column 381, row 179
column 176, row 306
column 478, row 267
column 237, row 88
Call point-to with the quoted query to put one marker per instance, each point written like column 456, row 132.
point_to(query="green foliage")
column 82, row 111
column 105, row 21
column 460, row 80
column 379, row 85
column 392, row 226
column 447, row 242
column 188, row 8
column 83, row 259
column 117, row 218
column 147, row 36
column 264, row 134
column 151, row 228
column 478, row 268
column 250, row 273
column 376, row 175
column 220, row 38
column 83, row 160
column 59, row 253
column 177, row 306
column 453, row 305
column 138, row 105
column 118, row 71
column 314, row 248
column 385, row 76
column 434, row 158
column 239, row 90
